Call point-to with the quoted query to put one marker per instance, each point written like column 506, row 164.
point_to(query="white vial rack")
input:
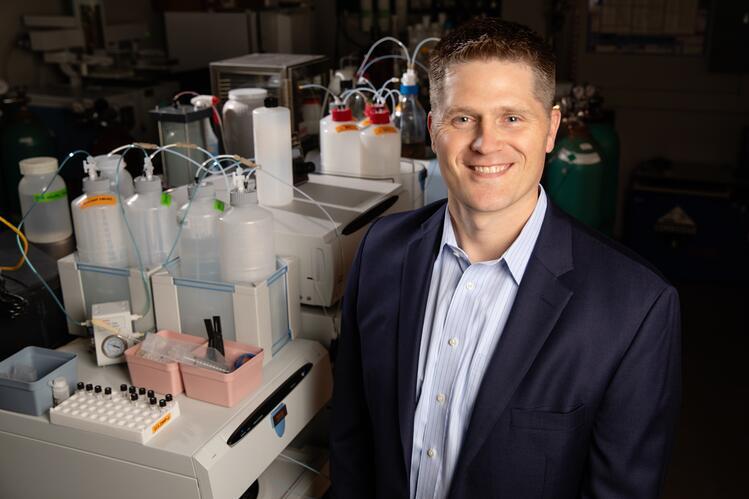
column 135, row 421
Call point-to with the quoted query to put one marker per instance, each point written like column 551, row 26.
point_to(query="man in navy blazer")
column 579, row 393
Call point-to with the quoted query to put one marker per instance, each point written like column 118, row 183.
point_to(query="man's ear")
column 555, row 118
column 430, row 123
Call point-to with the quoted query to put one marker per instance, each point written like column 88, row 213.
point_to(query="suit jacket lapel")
column 414, row 290
column 538, row 305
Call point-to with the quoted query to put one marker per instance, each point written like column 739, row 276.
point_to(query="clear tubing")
column 363, row 79
column 418, row 46
column 394, row 56
column 384, row 88
column 320, row 87
column 349, row 93
column 25, row 254
column 375, row 44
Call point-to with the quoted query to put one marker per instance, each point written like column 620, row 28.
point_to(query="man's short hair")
column 485, row 38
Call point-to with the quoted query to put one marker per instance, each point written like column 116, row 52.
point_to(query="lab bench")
column 190, row 458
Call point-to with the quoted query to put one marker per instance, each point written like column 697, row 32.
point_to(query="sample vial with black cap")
column 131, row 389
column 153, row 403
column 151, row 394
column 90, row 390
column 133, row 398
column 168, row 397
column 162, row 405
column 108, row 393
column 123, row 391
column 141, row 391
column 97, row 391
column 80, row 387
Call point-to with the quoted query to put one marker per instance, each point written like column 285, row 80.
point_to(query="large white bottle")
column 272, row 131
column 248, row 253
column 381, row 146
column 97, row 219
column 199, row 241
column 152, row 217
column 340, row 148
column 108, row 165
column 238, row 120
column 49, row 221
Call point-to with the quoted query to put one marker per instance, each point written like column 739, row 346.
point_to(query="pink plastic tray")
column 158, row 376
column 225, row 389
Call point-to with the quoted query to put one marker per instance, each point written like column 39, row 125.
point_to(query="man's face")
column 491, row 134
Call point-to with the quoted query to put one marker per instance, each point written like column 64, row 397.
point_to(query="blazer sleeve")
column 634, row 429
column 351, row 439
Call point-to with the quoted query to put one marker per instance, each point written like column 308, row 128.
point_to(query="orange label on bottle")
column 382, row 130
column 161, row 422
column 346, row 128
column 366, row 123
column 100, row 200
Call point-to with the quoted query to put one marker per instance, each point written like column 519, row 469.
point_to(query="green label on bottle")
column 219, row 205
column 166, row 199
column 51, row 196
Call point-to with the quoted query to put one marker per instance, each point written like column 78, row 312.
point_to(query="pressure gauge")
column 114, row 346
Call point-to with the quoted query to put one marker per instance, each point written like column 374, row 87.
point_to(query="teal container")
column 574, row 176
column 23, row 136
column 606, row 137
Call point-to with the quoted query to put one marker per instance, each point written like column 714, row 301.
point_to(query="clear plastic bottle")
column 246, row 238
column 381, row 146
column 49, row 222
column 340, row 147
column 199, row 242
column 273, row 153
column 238, row 120
column 152, row 217
column 107, row 166
column 412, row 118
column 99, row 229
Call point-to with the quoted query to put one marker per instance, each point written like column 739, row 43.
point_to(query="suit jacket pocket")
column 534, row 419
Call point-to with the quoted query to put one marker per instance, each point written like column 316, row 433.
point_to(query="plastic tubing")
column 348, row 93
column 24, row 249
column 418, row 47
column 20, row 234
column 364, row 79
column 384, row 88
column 394, row 56
column 319, row 87
column 375, row 44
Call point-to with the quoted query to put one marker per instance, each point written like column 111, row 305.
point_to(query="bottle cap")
column 97, row 389
column 40, row 165
column 80, row 385
column 150, row 394
column 202, row 191
column 271, row 101
column 342, row 114
column 152, row 400
column 131, row 389
column 143, row 184
column 59, row 383
column 409, row 89
column 168, row 397
column 123, row 387
column 380, row 116
column 133, row 396
column 248, row 94
column 141, row 391
column 108, row 390
column 162, row 403
column 89, row 387
column 105, row 162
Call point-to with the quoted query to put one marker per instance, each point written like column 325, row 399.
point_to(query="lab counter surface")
column 190, row 458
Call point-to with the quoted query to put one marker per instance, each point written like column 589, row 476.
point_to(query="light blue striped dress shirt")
column 467, row 308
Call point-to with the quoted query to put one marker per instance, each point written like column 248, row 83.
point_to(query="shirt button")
column 441, row 398
column 452, row 342
column 432, row 452
column 470, row 286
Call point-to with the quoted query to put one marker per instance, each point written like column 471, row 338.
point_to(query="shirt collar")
column 517, row 255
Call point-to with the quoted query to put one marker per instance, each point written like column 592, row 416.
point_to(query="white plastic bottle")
column 248, row 253
column 381, row 146
column 205, row 102
column 273, row 154
column 238, row 120
column 97, row 218
column 340, row 147
column 49, row 221
column 107, row 166
column 152, row 217
column 199, row 242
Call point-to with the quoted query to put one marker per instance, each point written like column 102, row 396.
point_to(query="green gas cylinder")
column 604, row 133
column 574, row 175
column 23, row 136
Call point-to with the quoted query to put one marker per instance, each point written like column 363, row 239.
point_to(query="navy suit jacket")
column 581, row 395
